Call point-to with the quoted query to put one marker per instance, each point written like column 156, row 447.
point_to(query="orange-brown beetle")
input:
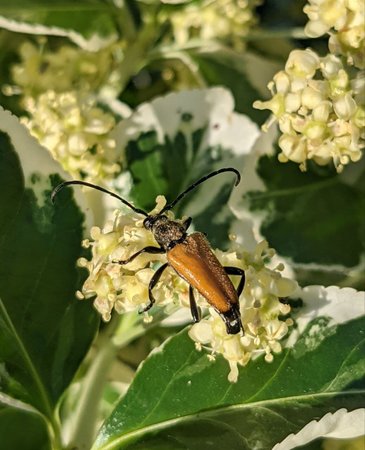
column 190, row 256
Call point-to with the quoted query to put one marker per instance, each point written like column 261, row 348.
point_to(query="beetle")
column 190, row 255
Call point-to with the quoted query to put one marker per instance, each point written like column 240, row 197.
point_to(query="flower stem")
column 86, row 414
column 135, row 56
column 295, row 33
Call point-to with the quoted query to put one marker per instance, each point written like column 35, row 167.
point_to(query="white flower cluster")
column 316, row 105
column 60, row 91
column 125, row 288
column 344, row 20
column 220, row 19
column 76, row 132
column 261, row 312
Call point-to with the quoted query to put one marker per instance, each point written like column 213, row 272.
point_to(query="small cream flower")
column 76, row 132
column 344, row 20
column 316, row 106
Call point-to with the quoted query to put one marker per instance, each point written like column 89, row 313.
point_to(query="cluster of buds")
column 221, row 19
column 344, row 20
column 76, row 132
column 64, row 69
column 125, row 288
column 60, row 90
column 316, row 106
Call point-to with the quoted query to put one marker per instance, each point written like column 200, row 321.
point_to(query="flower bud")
column 292, row 102
column 315, row 28
column 310, row 97
column 282, row 82
column 293, row 148
column 321, row 112
column 345, row 106
column 302, row 63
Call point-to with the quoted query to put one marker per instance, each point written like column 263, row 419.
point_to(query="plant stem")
column 295, row 33
column 55, row 435
column 118, row 335
column 124, row 20
column 135, row 56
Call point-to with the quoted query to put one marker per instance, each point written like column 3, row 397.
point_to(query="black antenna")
column 57, row 189
column 201, row 180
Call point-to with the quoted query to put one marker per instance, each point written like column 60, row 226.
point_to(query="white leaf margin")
column 92, row 44
column 339, row 304
column 339, row 425
column 239, row 204
column 11, row 402
column 210, row 108
column 36, row 160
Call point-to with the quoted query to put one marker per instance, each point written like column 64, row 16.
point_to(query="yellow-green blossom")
column 220, row 19
column 67, row 68
column 76, row 132
column 125, row 288
column 60, row 90
column 344, row 20
column 315, row 104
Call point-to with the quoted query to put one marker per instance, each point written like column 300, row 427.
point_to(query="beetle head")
column 150, row 221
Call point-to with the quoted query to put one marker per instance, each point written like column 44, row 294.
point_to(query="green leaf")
column 33, row 433
column 44, row 331
column 179, row 399
column 88, row 23
column 174, row 140
column 312, row 217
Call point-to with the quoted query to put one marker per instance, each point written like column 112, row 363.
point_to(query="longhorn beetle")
column 190, row 255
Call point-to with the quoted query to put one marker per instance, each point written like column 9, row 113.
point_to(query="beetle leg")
column 236, row 271
column 153, row 282
column 195, row 311
column 232, row 320
column 187, row 223
column 150, row 249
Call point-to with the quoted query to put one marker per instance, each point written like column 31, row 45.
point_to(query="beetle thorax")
column 167, row 232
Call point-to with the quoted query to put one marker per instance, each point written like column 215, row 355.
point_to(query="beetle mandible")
column 190, row 255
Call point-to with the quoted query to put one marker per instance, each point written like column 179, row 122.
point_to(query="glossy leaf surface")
column 180, row 397
column 44, row 331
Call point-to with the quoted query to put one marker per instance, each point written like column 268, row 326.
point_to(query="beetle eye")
column 148, row 222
